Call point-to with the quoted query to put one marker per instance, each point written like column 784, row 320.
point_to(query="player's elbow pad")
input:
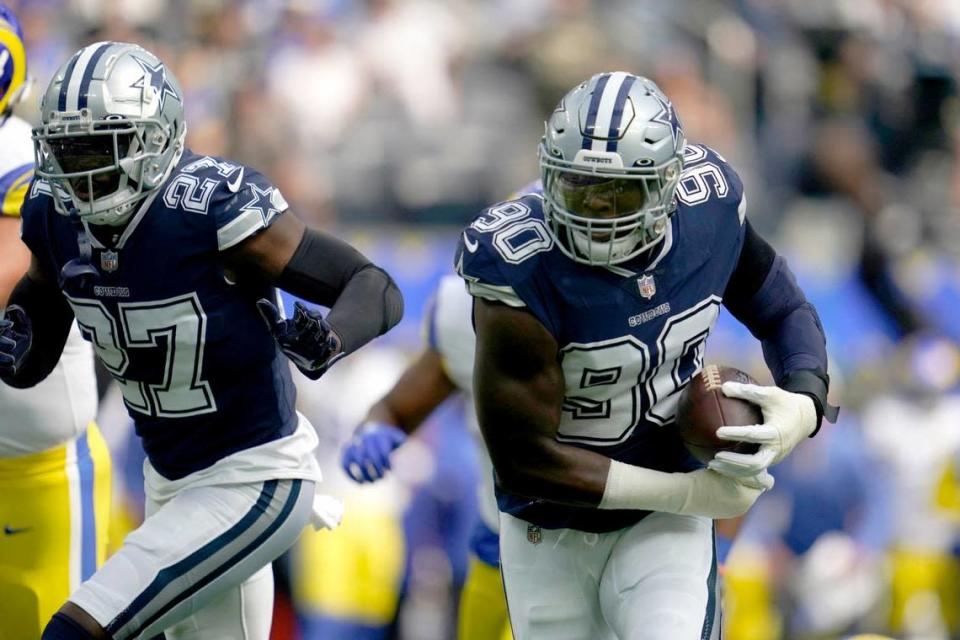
column 364, row 301
column 370, row 305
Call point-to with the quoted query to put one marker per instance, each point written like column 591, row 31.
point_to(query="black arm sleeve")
column 364, row 301
column 763, row 294
column 50, row 318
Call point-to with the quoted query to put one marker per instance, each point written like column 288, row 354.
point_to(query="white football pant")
column 199, row 565
column 655, row 580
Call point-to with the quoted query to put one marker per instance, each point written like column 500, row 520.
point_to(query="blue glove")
column 307, row 339
column 15, row 340
column 366, row 458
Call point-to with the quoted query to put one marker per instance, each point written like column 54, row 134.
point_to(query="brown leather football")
column 704, row 408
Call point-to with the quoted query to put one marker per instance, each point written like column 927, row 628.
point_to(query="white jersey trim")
column 496, row 293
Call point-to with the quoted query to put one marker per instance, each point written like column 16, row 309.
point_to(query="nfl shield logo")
column 647, row 286
column 109, row 261
column 534, row 534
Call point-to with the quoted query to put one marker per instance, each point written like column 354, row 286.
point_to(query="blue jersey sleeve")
column 501, row 258
column 253, row 207
column 241, row 200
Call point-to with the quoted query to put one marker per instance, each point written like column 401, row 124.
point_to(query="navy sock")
column 63, row 627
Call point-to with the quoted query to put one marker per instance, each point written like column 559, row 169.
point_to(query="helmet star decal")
column 155, row 77
column 668, row 117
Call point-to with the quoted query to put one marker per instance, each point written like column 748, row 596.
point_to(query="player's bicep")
column 268, row 252
column 518, row 381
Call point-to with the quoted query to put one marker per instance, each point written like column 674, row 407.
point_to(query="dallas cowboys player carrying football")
column 165, row 258
column 593, row 301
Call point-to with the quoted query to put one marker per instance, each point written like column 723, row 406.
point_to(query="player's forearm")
column 369, row 306
column 544, row 469
column 573, row 476
column 50, row 319
column 364, row 301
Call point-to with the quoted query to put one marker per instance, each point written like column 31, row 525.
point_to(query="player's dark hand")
column 307, row 339
column 15, row 340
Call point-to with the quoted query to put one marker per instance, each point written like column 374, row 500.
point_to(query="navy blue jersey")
column 631, row 336
column 201, row 375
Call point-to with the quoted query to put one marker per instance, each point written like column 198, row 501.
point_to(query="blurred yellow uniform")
column 54, row 465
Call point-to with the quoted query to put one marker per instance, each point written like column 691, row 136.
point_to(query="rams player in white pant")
column 443, row 368
column 592, row 304
column 54, row 466
column 168, row 261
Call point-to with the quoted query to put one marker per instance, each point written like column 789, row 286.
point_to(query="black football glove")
column 16, row 338
column 307, row 339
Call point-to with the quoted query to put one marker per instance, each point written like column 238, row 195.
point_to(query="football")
column 704, row 408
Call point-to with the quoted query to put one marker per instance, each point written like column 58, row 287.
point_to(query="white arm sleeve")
column 698, row 493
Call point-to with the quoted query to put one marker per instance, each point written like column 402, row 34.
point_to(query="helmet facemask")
column 605, row 216
column 105, row 167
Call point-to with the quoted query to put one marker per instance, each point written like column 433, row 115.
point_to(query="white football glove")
column 697, row 493
column 788, row 418
column 713, row 495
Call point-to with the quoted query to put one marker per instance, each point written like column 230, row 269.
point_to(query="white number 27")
column 182, row 322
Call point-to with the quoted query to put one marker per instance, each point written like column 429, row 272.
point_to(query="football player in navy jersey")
column 168, row 261
column 592, row 304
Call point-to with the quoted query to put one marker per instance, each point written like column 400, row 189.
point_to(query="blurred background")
column 392, row 122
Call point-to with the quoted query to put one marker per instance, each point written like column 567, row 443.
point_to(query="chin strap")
column 80, row 268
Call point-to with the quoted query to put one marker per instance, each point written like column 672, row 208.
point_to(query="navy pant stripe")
column 237, row 557
column 176, row 570
column 592, row 113
column 618, row 112
column 707, row 630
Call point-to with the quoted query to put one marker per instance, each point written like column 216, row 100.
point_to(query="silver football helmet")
column 112, row 131
column 610, row 161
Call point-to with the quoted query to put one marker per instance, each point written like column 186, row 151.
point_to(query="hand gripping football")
column 704, row 408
